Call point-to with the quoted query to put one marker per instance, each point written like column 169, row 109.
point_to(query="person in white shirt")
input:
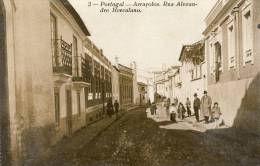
column 216, row 114
column 173, row 113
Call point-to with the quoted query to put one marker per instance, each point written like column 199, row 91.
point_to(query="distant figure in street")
column 149, row 103
column 206, row 106
column 153, row 109
column 116, row 106
column 168, row 103
column 188, row 106
column 173, row 113
column 181, row 111
column 196, row 106
column 176, row 102
column 216, row 114
column 110, row 108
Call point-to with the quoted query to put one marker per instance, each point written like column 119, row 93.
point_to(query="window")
column 91, row 89
column 231, row 46
column 218, row 61
column 196, row 72
column 79, row 103
column 57, row 106
column 75, row 55
column 53, row 38
column 247, row 31
column 212, row 58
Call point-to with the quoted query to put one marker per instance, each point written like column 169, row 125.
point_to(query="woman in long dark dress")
column 110, row 108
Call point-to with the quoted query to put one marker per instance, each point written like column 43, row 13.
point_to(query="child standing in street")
column 216, row 114
column 181, row 111
column 173, row 113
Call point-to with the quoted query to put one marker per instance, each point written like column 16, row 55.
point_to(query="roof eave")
column 76, row 16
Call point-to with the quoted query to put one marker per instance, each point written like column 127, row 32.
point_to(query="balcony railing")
column 85, row 71
column 62, row 57
column 79, row 79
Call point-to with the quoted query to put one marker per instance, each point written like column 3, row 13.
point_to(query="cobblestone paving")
column 135, row 140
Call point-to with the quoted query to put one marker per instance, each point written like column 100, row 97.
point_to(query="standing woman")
column 110, row 108
column 116, row 106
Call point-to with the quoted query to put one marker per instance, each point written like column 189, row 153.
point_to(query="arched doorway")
column 4, row 110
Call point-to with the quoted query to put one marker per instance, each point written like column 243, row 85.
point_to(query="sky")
column 152, row 38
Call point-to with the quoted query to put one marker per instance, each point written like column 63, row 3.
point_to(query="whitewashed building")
column 193, row 71
column 115, row 84
column 49, row 67
column 165, row 82
column 233, row 54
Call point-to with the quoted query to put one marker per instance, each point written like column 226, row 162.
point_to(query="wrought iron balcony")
column 62, row 57
column 62, row 61
column 83, row 80
column 86, row 69
column 79, row 79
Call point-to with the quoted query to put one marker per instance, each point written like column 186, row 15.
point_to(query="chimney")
column 134, row 65
column 116, row 61
column 101, row 52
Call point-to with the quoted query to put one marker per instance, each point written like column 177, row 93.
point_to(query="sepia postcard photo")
column 129, row 82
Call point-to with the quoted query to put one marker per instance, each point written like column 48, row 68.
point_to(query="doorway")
column 69, row 111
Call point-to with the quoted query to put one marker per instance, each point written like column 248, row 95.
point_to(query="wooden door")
column 69, row 111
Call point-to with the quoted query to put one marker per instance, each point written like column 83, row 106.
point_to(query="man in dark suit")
column 196, row 106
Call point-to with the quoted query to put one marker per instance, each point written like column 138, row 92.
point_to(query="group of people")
column 205, row 105
column 112, row 108
column 177, row 109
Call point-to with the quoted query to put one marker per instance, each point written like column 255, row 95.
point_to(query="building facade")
column 133, row 66
column 29, row 123
column 150, row 89
column 232, row 51
column 159, row 84
column 99, row 70
column 82, row 74
column 193, row 70
column 177, row 85
column 115, row 84
column 165, row 82
column 54, row 76
column 143, row 93
column 69, row 68
column 125, row 85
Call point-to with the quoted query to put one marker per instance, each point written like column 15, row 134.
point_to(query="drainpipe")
column 237, row 51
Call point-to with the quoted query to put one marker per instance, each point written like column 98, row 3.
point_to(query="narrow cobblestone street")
column 137, row 140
